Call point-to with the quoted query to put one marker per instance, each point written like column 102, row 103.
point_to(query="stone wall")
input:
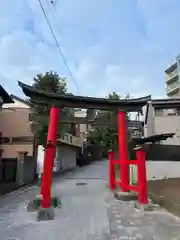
column 17, row 172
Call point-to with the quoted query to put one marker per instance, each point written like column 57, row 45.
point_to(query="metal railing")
column 172, row 87
column 171, row 75
column 71, row 140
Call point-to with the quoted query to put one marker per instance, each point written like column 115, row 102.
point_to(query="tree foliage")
column 105, row 135
column 52, row 83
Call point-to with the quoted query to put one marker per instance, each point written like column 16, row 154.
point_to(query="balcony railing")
column 175, row 72
column 71, row 140
column 172, row 87
column 172, row 75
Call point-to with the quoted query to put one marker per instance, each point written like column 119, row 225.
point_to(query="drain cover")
column 81, row 183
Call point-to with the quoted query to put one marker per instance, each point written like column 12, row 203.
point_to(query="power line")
column 58, row 46
column 51, row 5
column 55, row 12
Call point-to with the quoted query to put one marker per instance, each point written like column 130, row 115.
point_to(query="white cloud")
column 109, row 45
column 110, row 78
column 22, row 56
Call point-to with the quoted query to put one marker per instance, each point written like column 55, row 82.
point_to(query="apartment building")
column 172, row 79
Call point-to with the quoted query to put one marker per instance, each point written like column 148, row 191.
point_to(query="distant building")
column 82, row 129
column 172, row 79
column 163, row 116
column 15, row 128
column 5, row 98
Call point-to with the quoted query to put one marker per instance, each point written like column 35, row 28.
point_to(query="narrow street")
column 89, row 212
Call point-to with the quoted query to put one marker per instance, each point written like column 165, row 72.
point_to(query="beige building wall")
column 14, row 122
column 11, row 150
column 168, row 124
column 163, row 124
column 82, row 127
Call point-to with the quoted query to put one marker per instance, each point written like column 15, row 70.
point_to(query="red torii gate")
column 57, row 102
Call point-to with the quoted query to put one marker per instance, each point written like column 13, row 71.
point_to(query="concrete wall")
column 16, row 172
column 158, row 170
column 168, row 124
column 162, row 161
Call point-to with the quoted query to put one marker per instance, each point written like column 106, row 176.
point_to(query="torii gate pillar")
column 123, row 150
column 50, row 152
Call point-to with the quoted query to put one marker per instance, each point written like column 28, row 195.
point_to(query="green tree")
column 106, row 136
column 52, row 83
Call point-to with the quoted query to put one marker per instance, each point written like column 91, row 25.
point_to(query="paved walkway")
column 89, row 212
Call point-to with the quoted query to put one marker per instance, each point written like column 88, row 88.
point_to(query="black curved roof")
column 5, row 96
column 45, row 98
column 153, row 138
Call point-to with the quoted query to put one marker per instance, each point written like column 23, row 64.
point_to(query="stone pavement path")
column 89, row 212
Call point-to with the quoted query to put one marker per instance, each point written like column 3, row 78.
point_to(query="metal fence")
column 8, row 169
column 9, row 172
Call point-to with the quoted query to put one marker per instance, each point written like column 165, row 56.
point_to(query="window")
column 159, row 112
column 167, row 112
column 173, row 112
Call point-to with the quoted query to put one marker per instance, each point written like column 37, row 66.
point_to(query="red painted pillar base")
column 50, row 152
column 142, row 181
column 111, row 171
column 123, row 151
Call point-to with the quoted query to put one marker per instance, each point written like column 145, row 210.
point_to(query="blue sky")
column 110, row 45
